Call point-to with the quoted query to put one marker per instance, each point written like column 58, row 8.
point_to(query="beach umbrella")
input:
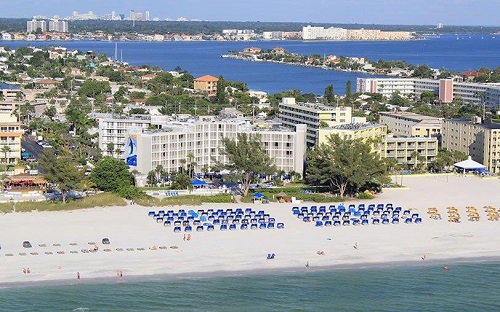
column 281, row 194
column 197, row 182
column 258, row 195
column 193, row 213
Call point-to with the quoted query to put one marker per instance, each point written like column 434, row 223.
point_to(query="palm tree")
column 159, row 173
column 6, row 149
column 110, row 147
column 191, row 165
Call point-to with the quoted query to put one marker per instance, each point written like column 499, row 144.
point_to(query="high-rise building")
column 33, row 25
column 147, row 15
column 58, row 26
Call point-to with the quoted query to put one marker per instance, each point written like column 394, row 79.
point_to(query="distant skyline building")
column 439, row 25
column 34, row 24
column 58, row 26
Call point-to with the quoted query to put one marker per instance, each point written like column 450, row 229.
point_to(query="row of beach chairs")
column 471, row 211
column 211, row 219
column 355, row 215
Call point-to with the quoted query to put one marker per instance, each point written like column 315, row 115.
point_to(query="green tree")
column 50, row 112
column 329, row 95
column 111, row 175
column 246, row 158
column 348, row 92
column 151, row 178
column 60, row 170
column 220, row 97
column 91, row 88
column 181, row 181
column 344, row 165
column 423, row 71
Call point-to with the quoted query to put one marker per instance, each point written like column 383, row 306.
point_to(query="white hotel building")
column 172, row 141
column 446, row 89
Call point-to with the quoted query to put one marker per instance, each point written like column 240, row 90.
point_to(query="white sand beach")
column 58, row 238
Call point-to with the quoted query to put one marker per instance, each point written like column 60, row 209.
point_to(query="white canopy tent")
column 469, row 164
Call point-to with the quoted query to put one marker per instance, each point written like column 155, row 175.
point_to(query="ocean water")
column 457, row 53
column 463, row 287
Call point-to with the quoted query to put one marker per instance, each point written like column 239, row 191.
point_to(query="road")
column 28, row 142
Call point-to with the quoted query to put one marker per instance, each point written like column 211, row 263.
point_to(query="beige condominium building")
column 403, row 149
column 314, row 116
column 406, row 124
column 10, row 136
column 179, row 143
column 479, row 140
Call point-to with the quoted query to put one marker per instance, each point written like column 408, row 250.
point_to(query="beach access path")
column 63, row 242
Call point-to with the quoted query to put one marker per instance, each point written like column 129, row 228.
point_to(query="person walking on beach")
column 78, row 275
column 307, row 265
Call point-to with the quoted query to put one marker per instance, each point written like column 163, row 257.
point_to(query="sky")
column 391, row 12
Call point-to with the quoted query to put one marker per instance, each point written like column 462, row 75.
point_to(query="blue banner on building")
column 131, row 150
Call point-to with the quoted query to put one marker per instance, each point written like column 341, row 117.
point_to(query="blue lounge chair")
column 188, row 229
column 280, row 226
column 375, row 221
column 355, row 222
column 167, row 223
column 161, row 213
column 177, row 229
column 336, row 223
column 210, row 228
column 408, row 220
column 253, row 226
column 346, row 222
column 319, row 223
column 262, row 226
column 406, row 212
column 244, row 227
column 199, row 228
column 232, row 227
column 414, row 216
column 159, row 220
column 328, row 223
column 223, row 227
column 270, row 225
column 151, row 214
column 364, row 222
column 418, row 220
column 385, row 221
column 395, row 220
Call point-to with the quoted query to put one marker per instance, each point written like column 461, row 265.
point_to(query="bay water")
column 456, row 53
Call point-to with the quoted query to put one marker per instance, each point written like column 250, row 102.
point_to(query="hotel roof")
column 486, row 125
column 207, row 78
